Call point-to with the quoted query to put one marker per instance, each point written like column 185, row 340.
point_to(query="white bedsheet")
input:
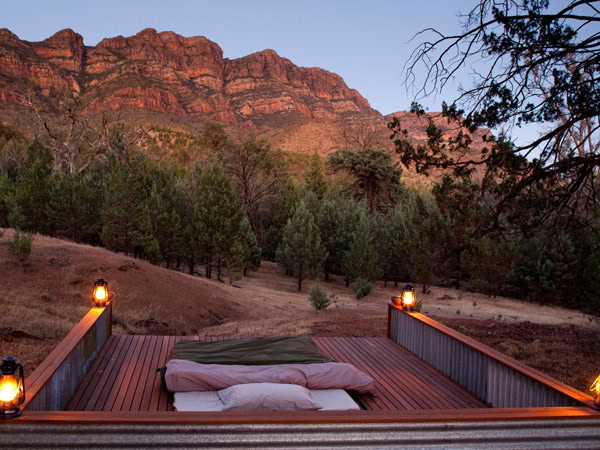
column 330, row 399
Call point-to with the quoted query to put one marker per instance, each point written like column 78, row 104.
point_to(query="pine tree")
column 75, row 207
column 125, row 216
column 283, row 210
column 252, row 252
column 388, row 233
column 328, row 220
column 314, row 179
column 34, row 188
column 318, row 298
column 236, row 261
column 361, row 260
column 218, row 214
column 349, row 216
column 300, row 250
column 7, row 192
column 423, row 230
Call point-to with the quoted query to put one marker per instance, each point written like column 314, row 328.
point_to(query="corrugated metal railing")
column 490, row 378
column 580, row 433
column 53, row 383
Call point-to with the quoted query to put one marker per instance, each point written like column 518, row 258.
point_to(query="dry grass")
column 44, row 302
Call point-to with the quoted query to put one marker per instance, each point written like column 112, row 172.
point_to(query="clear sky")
column 366, row 42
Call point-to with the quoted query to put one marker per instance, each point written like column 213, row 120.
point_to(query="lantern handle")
column 22, row 380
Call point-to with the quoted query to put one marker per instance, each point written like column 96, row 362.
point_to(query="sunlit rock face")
column 169, row 73
column 165, row 79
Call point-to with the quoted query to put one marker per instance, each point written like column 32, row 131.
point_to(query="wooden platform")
column 124, row 378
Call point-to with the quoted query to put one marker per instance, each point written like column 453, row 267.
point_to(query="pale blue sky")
column 366, row 42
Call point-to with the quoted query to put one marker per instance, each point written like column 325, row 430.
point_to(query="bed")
column 258, row 374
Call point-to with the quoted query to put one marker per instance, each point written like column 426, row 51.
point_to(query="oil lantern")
column 12, row 388
column 408, row 297
column 596, row 390
column 101, row 295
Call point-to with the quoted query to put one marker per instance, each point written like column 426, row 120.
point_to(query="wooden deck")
column 124, row 378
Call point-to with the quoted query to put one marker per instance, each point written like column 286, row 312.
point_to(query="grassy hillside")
column 42, row 303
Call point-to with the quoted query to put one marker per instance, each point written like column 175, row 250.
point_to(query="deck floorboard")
column 124, row 377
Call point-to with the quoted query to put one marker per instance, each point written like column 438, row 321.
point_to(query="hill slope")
column 42, row 304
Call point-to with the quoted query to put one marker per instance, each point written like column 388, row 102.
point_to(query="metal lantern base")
column 10, row 413
column 596, row 405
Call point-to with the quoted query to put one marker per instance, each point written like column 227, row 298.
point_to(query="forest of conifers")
column 215, row 204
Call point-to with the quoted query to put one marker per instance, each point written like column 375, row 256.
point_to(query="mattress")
column 330, row 399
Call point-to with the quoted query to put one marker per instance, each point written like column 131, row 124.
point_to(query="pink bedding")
column 186, row 376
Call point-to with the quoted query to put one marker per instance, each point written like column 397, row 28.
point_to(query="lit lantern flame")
column 12, row 388
column 408, row 298
column 100, row 293
column 9, row 390
column 596, row 387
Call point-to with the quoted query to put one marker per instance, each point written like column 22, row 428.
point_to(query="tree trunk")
column 191, row 265
column 347, row 282
column 299, row 283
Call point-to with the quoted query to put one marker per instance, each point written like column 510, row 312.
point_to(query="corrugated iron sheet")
column 494, row 383
column 580, row 433
column 59, row 389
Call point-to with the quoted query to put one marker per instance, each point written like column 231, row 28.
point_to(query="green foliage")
column 218, row 214
column 256, row 171
column 300, row 251
column 422, row 225
column 388, row 231
column 376, row 178
column 318, row 298
column 236, row 262
column 418, row 306
column 213, row 137
column 20, row 246
column 161, row 212
column 314, row 179
column 362, row 288
column 491, row 261
column 337, row 219
column 30, row 202
column 539, row 67
column 283, row 209
column 361, row 260
column 125, row 215
column 75, row 207
column 7, row 192
column 252, row 252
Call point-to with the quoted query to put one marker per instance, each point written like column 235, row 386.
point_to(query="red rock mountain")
column 170, row 80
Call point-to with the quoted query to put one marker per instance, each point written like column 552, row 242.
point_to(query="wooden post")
column 389, row 324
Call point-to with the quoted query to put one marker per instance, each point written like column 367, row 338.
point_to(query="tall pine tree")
column 218, row 214
column 300, row 251
column 361, row 260
column 314, row 179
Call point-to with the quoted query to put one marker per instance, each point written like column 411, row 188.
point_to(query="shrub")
column 20, row 246
column 418, row 306
column 318, row 298
column 362, row 288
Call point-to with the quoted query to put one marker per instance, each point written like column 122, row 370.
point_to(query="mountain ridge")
column 163, row 78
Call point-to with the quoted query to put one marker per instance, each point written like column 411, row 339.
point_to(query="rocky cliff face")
column 171, row 74
column 164, row 78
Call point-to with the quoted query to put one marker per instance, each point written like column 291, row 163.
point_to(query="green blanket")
column 251, row 351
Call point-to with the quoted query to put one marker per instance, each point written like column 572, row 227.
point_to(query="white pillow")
column 267, row 397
